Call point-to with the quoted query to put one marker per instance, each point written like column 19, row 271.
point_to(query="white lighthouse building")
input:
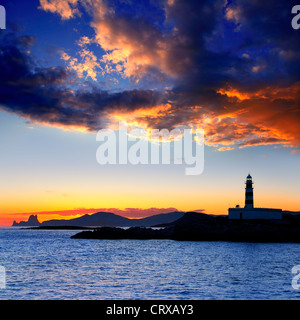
column 249, row 212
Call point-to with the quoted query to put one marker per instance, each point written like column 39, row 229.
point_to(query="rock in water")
column 32, row 222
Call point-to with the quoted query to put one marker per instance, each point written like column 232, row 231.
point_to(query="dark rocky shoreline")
column 201, row 227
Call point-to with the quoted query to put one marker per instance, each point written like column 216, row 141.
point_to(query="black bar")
column 147, row 309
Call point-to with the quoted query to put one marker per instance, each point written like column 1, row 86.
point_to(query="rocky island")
column 32, row 222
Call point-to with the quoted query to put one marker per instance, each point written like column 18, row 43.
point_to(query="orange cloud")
column 140, row 117
column 71, row 128
column 234, row 93
column 88, row 65
column 249, row 119
column 225, row 148
column 267, row 116
column 233, row 13
column 65, row 8
column 133, row 47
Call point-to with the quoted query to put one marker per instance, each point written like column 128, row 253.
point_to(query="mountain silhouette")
column 106, row 219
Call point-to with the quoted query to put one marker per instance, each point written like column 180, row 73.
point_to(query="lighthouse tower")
column 249, row 192
column 251, row 213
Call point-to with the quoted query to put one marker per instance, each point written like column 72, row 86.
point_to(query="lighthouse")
column 249, row 212
column 249, row 192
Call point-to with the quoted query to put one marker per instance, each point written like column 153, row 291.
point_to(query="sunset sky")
column 69, row 68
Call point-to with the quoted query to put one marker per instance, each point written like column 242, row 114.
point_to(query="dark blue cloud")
column 43, row 94
column 249, row 46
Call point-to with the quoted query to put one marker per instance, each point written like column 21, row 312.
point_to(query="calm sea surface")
column 47, row 264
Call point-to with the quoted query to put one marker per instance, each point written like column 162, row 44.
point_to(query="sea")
column 49, row 265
